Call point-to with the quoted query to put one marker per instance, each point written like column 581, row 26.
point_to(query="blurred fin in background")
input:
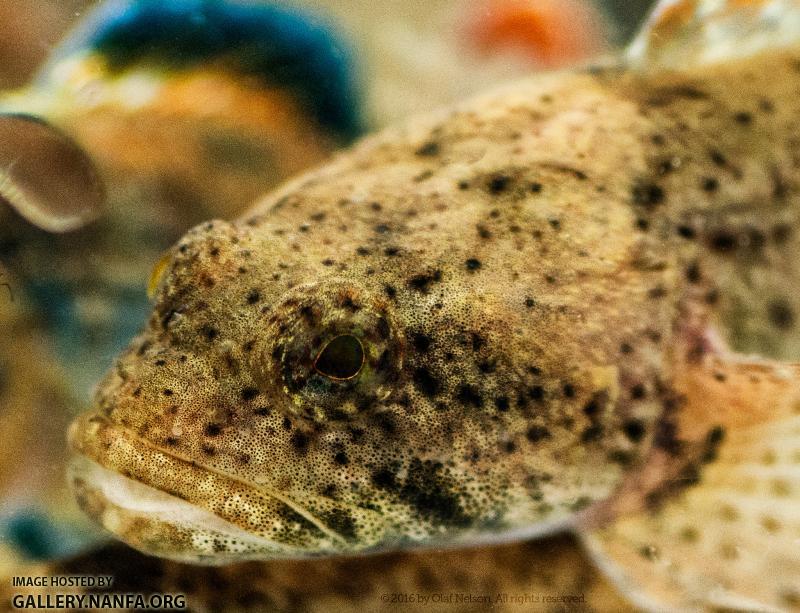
column 46, row 177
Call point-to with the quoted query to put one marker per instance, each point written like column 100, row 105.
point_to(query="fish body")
column 486, row 324
column 512, row 317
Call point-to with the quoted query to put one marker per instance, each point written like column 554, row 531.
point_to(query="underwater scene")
column 436, row 305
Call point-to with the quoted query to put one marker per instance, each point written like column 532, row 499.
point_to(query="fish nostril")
column 341, row 359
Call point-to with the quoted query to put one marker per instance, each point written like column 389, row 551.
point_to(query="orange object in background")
column 551, row 32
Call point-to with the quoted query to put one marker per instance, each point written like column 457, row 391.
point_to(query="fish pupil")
column 342, row 358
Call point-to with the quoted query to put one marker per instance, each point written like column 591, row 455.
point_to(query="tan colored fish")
column 514, row 316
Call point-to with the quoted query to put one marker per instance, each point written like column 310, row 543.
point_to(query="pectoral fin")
column 717, row 524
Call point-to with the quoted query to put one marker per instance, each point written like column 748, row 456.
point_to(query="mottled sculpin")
column 512, row 316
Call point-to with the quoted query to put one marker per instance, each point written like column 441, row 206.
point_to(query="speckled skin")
column 522, row 272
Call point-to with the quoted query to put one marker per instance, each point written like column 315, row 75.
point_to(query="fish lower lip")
column 158, row 523
column 172, row 507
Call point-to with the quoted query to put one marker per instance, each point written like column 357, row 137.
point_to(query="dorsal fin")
column 682, row 33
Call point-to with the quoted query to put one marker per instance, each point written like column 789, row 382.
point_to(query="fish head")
column 351, row 368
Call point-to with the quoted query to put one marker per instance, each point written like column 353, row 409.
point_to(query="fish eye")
column 341, row 359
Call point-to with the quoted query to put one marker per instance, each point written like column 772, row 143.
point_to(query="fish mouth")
column 175, row 508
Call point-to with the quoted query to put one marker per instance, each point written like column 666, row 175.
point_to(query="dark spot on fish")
column 592, row 434
column 213, row 430
column 384, row 479
column 723, row 241
column 536, row 392
column 634, row 430
column 487, row 366
column 498, row 184
column 714, row 438
column 422, row 282
column 781, row 315
column 537, row 433
column 473, row 264
column 299, row 441
column 648, row 195
column 477, row 341
column 249, row 393
column 429, row 149
column 421, row 342
column 470, row 395
column 665, row 95
column 717, row 157
column 666, row 437
column 431, row 493
column 781, row 233
column 693, row 273
column 341, row 522
column 766, row 105
column 426, row 382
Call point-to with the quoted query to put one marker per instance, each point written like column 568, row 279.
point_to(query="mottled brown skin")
column 523, row 273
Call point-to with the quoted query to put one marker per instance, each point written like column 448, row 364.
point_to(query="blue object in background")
column 36, row 537
column 282, row 46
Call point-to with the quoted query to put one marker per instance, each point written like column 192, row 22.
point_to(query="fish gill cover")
column 283, row 46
